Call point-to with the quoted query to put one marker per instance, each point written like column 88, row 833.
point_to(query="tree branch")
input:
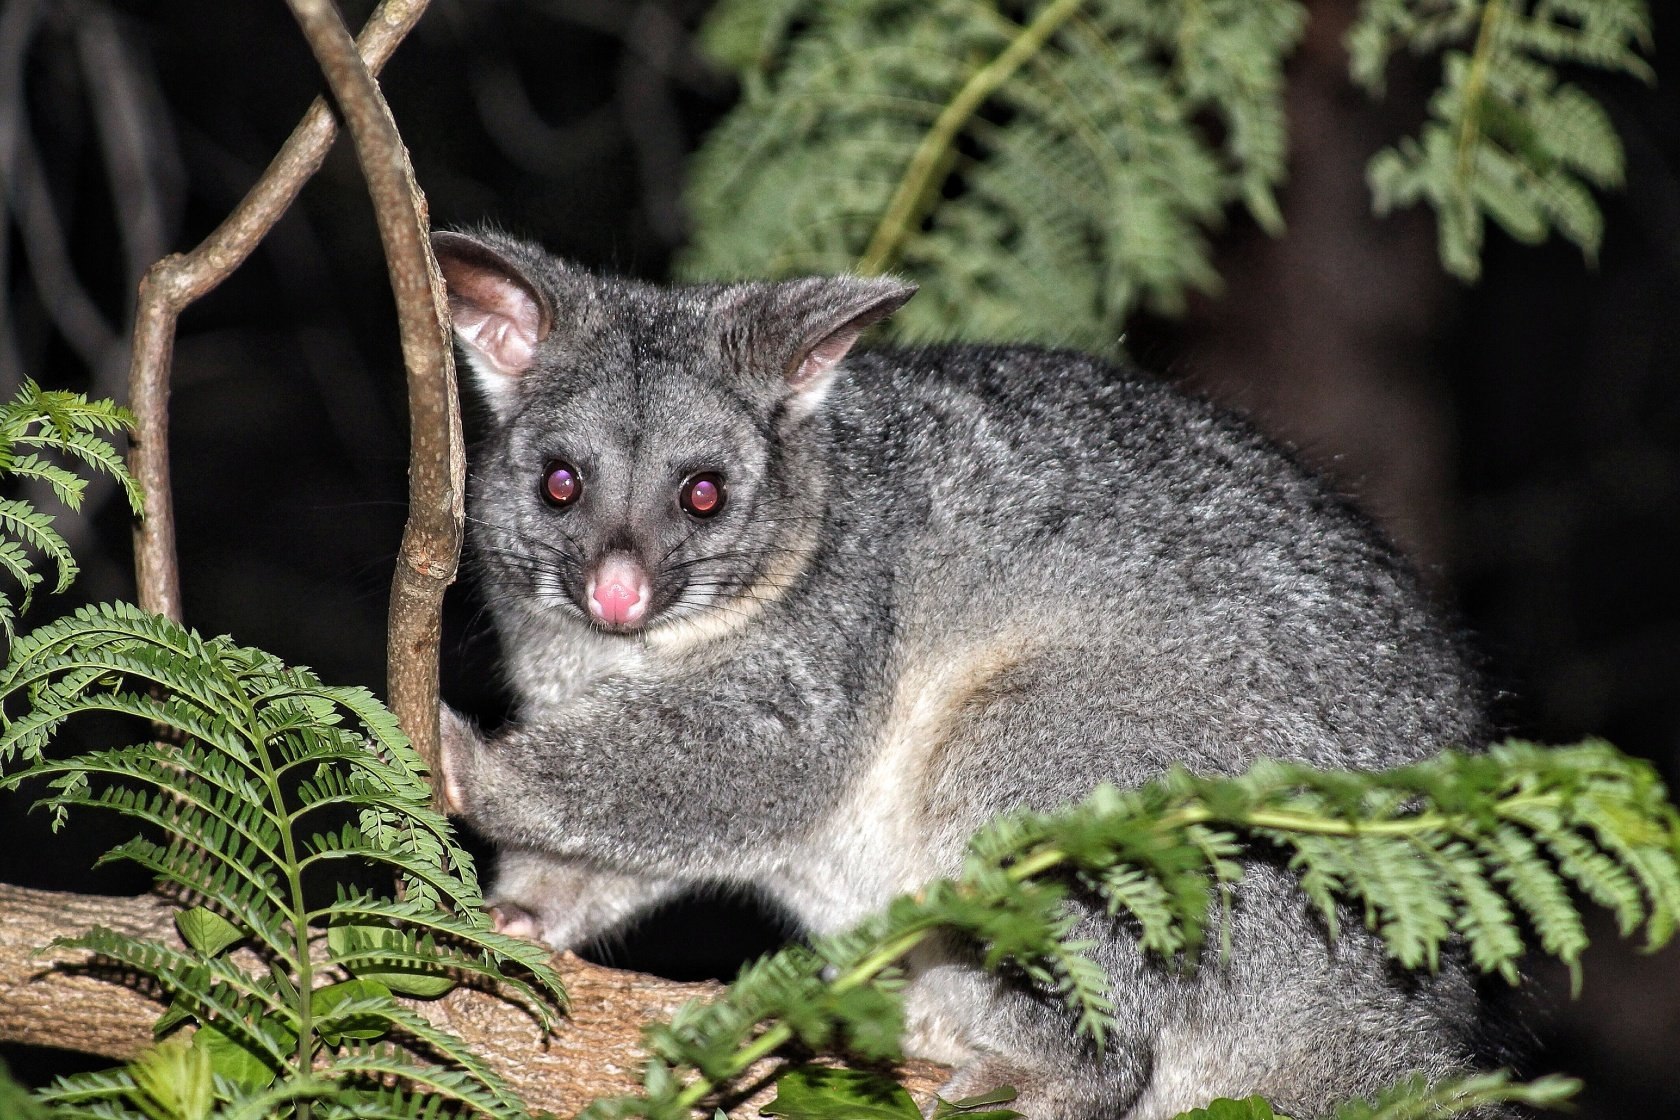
column 64, row 999
column 431, row 544
column 172, row 284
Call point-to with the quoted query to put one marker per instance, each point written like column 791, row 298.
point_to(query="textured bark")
column 58, row 999
column 53, row 999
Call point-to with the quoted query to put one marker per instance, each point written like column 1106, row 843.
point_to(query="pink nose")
column 618, row 591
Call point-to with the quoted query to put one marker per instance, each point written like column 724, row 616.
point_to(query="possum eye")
column 561, row 484
column 703, row 494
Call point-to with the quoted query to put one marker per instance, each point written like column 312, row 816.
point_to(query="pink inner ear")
column 495, row 316
column 822, row 357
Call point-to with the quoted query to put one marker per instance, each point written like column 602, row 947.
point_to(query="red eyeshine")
column 703, row 494
column 561, row 484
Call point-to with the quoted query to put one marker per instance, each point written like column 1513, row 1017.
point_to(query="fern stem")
column 299, row 914
column 880, row 960
column 1475, row 84
column 915, row 191
column 1286, row 821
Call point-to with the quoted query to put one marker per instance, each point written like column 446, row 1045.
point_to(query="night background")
column 1520, row 438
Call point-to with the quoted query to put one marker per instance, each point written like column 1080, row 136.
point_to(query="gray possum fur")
column 944, row 583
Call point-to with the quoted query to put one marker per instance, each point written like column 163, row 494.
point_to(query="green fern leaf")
column 1505, row 140
column 1595, row 873
column 439, row 1088
column 64, row 424
column 1129, row 889
column 1485, row 919
column 241, row 1005
column 266, row 750
column 67, row 1095
column 1044, row 177
column 1250, row 1108
column 1650, row 855
column 67, row 486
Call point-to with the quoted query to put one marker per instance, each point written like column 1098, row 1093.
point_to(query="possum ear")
column 802, row 329
column 847, row 305
column 499, row 313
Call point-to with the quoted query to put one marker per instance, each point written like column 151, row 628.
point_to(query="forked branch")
column 174, row 283
column 431, row 543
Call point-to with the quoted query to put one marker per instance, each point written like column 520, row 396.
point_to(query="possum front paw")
column 460, row 746
column 563, row 903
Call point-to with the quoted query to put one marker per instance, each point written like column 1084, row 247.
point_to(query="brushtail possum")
column 789, row 615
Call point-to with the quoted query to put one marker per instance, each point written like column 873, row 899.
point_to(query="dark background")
column 1521, row 438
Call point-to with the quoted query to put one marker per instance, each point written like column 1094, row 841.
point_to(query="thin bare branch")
column 437, row 468
column 177, row 280
column 18, row 21
column 142, row 163
column 29, row 199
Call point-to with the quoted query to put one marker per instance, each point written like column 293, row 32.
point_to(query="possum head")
column 653, row 449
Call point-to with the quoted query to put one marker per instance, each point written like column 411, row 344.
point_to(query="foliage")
column 1415, row 1099
column 1249, row 1108
column 1506, row 139
column 1460, row 846
column 16, row 1102
column 826, row 1093
column 35, row 425
column 1053, row 173
column 279, row 790
column 1050, row 165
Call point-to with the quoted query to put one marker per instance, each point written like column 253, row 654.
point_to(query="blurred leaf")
column 822, row 1093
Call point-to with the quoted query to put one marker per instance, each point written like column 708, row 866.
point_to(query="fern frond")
column 1043, row 178
column 397, row 1104
column 15, row 562
column 1537, row 890
column 64, row 424
column 265, row 749
column 352, row 845
column 239, row 893
column 1054, row 173
column 67, row 486
column 1416, row 1099
column 1624, row 837
column 22, row 522
column 1484, row 917
column 1450, row 847
column 282, row 1099
column 223, row 803
column 395, row 926
column 87, row 1088
column 1594, row 873
column 63, row 411
column 471, row 1081
column 1141, row 896
column 1506, row 139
